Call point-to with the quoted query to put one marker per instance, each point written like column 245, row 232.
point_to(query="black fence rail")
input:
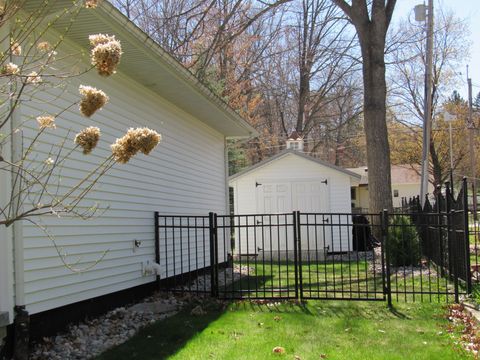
column 404, row 256
column 184, row 252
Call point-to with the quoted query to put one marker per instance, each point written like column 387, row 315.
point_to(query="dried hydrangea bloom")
column 88, row 138
column 92, row 100
column 91, row 4
column 34, row 78
column 44, row 46
column 100, row 39
column 16, row 49
column 9, row 69
column 135, row 140
column 46, row 122
column 147, row 139
column 106, row 53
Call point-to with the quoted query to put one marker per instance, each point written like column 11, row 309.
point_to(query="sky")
column 469, row 10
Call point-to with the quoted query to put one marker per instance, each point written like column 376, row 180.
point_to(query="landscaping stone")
column 401, row 271
column 90, row 338
column 154, row 307
column 226, row 276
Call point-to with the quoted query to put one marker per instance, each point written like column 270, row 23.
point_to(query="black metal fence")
column 415, row 255
column 445, row 236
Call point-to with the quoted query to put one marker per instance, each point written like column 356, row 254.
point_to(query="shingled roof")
column 401, row 174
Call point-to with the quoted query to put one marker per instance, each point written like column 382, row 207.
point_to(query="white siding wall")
column 407, row 191
column 404, row 190
column 185, row 174
column 290, row 168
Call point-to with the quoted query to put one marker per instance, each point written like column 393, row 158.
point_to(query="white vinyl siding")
column 185, row 174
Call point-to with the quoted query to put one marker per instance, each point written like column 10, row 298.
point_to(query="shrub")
column 403, row 242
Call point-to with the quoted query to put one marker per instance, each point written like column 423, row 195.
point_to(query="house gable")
column 301, row 159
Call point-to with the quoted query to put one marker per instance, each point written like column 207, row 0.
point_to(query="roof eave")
column 239, row 127
column 290, row 151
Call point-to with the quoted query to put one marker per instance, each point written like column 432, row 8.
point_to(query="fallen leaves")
column 278, row 350
column 467, row 325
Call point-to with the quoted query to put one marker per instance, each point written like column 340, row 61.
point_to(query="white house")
column 291, row 181
column 186, row 174
column 405, row 184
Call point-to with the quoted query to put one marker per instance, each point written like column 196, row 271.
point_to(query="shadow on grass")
column 164, row 338
column 325, row 308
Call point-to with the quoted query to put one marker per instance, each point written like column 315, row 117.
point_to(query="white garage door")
column 285, row 197
column 310, row 196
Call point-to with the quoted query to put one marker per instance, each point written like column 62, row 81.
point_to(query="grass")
column 316, row 330
column 339, row 280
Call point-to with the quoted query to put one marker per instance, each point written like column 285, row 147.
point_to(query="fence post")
column 300, row 260
column 466, row 235
column 439, row 223
column 386, row 287
column 157, row 245
column 212, row 232
column 295, row 251
column 452, row 253
column 215, row 224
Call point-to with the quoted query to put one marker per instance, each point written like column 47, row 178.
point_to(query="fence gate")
column 338, row 259
column 406, row 256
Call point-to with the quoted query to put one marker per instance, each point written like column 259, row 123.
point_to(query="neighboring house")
column 290, row 181
column 186, row 174
column 405, row 184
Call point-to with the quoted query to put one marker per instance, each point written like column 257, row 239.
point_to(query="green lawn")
column 319, row 329
column 339, row 280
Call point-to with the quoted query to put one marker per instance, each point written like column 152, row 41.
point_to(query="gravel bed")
column 226, row 276
column 352, row 256
column 402, row 271
column 92, row 337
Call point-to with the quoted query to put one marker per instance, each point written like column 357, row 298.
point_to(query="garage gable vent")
column 295, row 141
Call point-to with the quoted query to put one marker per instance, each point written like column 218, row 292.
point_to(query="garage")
column 293, row 181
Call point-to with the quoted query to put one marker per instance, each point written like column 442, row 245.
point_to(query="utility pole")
column 449, row 118
column 427, row 122
column 471, row 141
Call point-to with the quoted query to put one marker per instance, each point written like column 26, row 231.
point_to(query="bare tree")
column 372, row 20
column 451, row 47
column 336, row 138
column 321, row 47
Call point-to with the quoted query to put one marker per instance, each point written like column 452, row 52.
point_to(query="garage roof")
column 144, row 60
column 297, row 153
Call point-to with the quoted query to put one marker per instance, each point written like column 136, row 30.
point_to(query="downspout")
column 227, row 252
column 18, row 246
column 22, row 318
column 6, row 236
column 227, row 186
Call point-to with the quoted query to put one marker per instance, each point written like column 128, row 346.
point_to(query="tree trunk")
column 372, row 29
column 375, row 93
